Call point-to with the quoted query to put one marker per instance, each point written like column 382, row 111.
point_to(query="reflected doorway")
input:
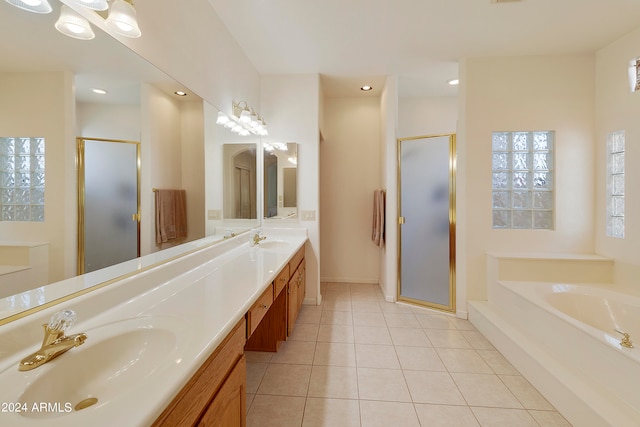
column 108, row 202
column 426, row 225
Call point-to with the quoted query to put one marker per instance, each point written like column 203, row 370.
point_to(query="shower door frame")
column 451, row 307
column 80, row 159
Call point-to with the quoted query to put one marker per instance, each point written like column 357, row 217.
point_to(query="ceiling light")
column 244, row 120
column 73, row 25
column 36, row 6
column 453, row 82
column 122, row 19
column 93, row 4
column 99, row 91
column 366, row 88
column 180, row 93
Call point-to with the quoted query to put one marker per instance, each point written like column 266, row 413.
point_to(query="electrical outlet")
column 214, row 214
column 308, row 215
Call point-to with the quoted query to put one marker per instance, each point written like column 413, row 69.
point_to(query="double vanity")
column 165, row 346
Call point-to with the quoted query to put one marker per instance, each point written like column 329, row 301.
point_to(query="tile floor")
column 357, row 360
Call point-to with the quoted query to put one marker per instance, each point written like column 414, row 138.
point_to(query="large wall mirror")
column 46, row 79
column 280, row 180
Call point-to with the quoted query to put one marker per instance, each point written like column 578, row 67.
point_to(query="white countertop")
column 201, row 297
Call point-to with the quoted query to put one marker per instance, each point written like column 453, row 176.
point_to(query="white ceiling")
column 420, row 41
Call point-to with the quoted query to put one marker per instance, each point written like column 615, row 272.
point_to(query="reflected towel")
column 378, row 228
column 171, row 215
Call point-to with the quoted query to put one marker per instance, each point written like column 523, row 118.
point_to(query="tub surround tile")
column 322, row 412
column 385, row 414
column 445, row 416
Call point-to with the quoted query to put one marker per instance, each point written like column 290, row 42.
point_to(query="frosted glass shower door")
column 426, row 180
column 109, row 231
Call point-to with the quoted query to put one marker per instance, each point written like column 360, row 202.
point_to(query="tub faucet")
column 626, row 339
column 55, row 342
column 257, row 238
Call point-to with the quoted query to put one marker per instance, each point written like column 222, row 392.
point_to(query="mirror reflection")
column 47, row 93
column 280, row 180
column 240, row 183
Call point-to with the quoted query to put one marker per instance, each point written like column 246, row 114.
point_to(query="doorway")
column 108, row 202
column 426, row 225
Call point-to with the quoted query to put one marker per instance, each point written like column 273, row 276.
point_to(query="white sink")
column 115, row 357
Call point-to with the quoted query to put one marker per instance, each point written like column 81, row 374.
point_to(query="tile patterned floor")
column 357, row 360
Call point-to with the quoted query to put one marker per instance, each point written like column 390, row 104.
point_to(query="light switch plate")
column 308, row 215
column 214, row 214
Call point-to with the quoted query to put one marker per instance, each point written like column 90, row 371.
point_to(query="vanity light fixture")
column 121, row 19
column 453, row 82
column 99, row 91
column 366, row 88
column 244, row 120
column 36, row 6
column 73, row 25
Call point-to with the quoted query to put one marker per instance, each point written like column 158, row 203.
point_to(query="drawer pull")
column 264, row 306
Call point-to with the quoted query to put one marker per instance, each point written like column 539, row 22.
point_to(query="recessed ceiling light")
column 99, row 91
column 453, row 82
column 180, row 93
column 366, row 88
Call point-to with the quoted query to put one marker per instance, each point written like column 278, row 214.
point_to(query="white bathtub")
column 562, row 338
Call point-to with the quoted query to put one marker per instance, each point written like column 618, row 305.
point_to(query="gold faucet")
column 257, row 239
column 626, row 339
column 55, row 342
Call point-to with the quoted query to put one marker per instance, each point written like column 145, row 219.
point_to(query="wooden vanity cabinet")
column 296, row 289
column 216, row 394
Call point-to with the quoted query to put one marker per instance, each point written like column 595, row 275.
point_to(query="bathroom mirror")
column 280, row 180
column 240, row 168
column 31, row 50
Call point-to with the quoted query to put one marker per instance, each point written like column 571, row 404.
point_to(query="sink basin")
column 115, row 358
column 273, row 244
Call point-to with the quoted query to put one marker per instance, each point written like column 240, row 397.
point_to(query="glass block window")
column 522, row 186
column 21, row 179
column 615, row 184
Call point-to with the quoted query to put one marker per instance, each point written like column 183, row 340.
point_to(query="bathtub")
column 563, row 338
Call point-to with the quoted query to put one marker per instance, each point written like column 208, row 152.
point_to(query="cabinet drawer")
column 295, row 261
column 259, row 309
column 281, row 281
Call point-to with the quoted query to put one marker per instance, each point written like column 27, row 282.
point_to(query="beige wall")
column 349, row 173
column 619, row 109
column 526, row 93
column 42, row 105
column 427, row 116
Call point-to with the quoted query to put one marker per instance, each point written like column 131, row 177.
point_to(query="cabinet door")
column 228, row 408
column 301, row 284
column 292, row 303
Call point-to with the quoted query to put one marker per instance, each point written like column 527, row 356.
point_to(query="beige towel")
column 171, row 215
column 377, row 232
